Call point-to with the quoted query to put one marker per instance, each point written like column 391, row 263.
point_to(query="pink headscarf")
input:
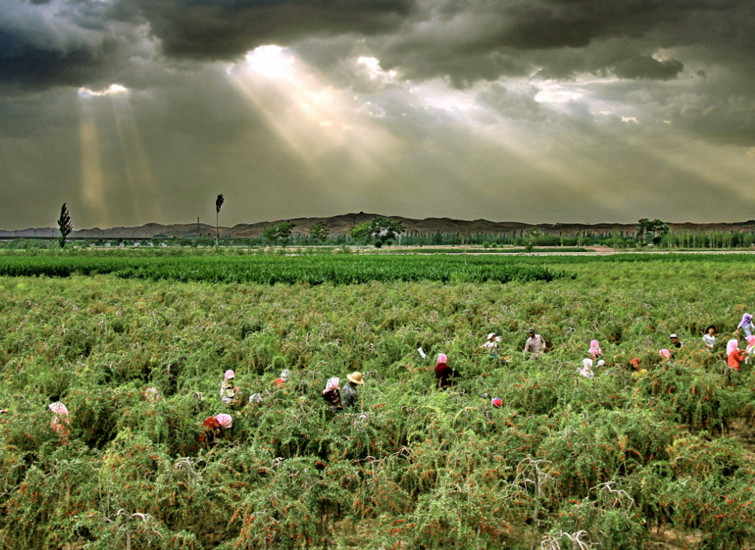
column 595, row 348
column 58, row 408
column 666, row 354
column 57, row 423
column 732, row 345
column 750, row 343
column 441, row 359
column 331, row 384
column 229, row 374
column 224, row 420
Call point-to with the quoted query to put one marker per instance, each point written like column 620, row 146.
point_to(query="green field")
column 663, row 461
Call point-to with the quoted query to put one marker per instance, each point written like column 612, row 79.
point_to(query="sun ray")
column 314, row 120
column 136, row 163
column 92, row 181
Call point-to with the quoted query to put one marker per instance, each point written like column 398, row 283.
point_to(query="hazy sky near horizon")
column 134, row 111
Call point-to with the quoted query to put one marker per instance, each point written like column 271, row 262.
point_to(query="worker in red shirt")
column 284, row 378
column 443, row 373
column 734, row 355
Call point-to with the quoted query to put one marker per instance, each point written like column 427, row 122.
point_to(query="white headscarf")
column 58, row 408
column 331, row 384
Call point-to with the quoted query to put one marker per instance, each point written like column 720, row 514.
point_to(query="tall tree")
column 280, row 234
column 65, row 225
column 656, row 229
column 218, row 205
column 318, row 232
column 378, row 231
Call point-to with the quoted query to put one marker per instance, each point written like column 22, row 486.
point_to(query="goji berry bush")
column 616, row 461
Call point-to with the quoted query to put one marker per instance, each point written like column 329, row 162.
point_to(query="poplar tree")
column 65, row 225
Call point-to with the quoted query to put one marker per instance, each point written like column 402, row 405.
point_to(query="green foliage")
column 607, row 462
column 65, row 225
column 311, row 269
column 279, row 234
column 377, row 231
column 655, row 229
column 318, row 232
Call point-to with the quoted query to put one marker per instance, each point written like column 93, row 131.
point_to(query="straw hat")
column 355, row 378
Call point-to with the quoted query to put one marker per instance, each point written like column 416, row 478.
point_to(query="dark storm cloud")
column 225, row 29
column 484, row 39
column 63, row 43
column 646, row 67
column 77, row 42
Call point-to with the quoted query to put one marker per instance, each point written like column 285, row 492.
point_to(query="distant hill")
column 340, row 225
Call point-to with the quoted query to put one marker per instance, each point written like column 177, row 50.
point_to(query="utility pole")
column 197, row 227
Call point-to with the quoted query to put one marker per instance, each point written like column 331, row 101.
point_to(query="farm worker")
column 638, row 370
column 665, row 354
column 595, row 349
column 210, row 429
column 349, row 392
column 601, row 363
column 59, row 421
column 734, row 356
column 255, row 398
column 331, row 394
column 746, row 324
column 152, row 395
column 443, row 373
column 227, row 389
column 497, row 402
column 586, row 369
column 535, row 343
column 750, row 347
column 491, row 344
column 225, row 421
column 284, row 377
column 709, row 338
column 675, row 340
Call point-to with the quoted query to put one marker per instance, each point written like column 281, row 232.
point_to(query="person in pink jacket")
column 595, row 349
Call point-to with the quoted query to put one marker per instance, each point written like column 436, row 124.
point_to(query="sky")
column 539, row 111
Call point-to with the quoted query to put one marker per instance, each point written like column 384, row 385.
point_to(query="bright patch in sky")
column 271, row 61
column 113, row 89
column 552, row 92
column 374, row 71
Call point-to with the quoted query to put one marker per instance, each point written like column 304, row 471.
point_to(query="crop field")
column 665, row 460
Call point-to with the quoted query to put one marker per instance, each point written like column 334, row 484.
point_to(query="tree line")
column 381, row 231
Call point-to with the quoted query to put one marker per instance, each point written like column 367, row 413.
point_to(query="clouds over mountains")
column 623, row 76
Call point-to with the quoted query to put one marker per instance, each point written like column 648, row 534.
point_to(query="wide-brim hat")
column 355, row 378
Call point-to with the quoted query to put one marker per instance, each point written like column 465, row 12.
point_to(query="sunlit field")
column 664, row 460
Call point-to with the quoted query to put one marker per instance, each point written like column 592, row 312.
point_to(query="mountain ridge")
column 340, row 225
